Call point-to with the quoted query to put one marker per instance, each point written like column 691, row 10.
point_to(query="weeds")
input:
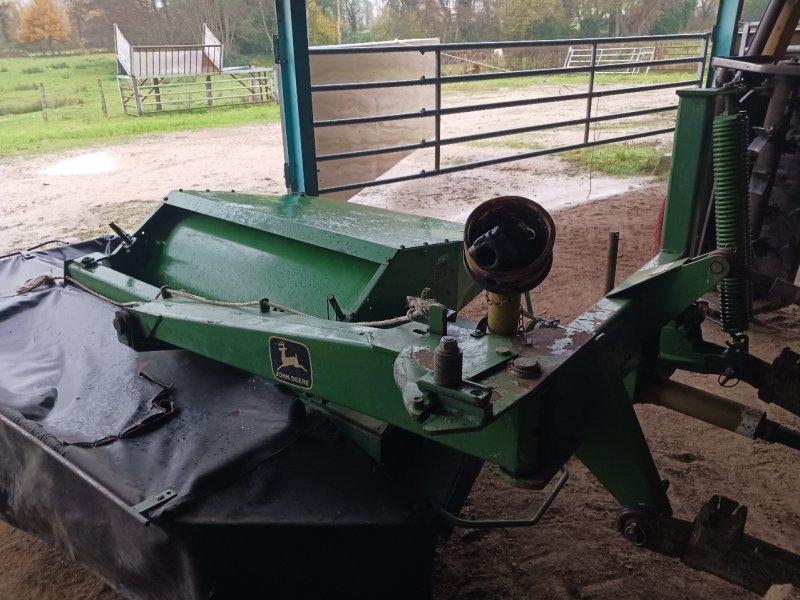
column 25, row 87
column 32, row 106
column 622, row 160
column 32, row 70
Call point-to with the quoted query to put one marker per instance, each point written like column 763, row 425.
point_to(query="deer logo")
column 288, row 361
column 291, row 362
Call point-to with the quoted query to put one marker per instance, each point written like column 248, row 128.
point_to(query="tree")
column 42, row 21
column 321, row 26
column 79, row 12
column 8, row 17
column 522, row 19
column 673, row 20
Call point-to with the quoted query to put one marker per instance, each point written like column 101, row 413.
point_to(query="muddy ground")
column 575, row 551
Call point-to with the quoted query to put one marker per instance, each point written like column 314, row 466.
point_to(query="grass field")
column 75, row 117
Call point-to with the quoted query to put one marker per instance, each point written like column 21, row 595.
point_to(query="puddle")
column 90, row 163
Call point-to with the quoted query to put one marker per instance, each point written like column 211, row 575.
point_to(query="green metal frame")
column 582, row 403
column 290, row 48
column 691, row 165
column 723, row 36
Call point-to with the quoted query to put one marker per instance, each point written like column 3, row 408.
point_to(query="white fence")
column 582, row 57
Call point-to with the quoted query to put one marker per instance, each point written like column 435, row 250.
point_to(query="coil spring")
column 729, row 137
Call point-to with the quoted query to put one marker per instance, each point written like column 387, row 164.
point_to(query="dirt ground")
column 75, row 194
column 575, row 551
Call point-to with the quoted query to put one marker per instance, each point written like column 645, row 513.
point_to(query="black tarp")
column 265, row 506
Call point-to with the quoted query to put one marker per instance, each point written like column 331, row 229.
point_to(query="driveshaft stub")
column 508, row 244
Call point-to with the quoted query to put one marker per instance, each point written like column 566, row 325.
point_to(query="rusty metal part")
column 447, row 362
column 526, row 367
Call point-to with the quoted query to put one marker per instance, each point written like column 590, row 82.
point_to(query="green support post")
column 691, row 165
column 723, row 37
column 290, row 47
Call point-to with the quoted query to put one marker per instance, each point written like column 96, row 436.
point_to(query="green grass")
column 74, row 113
column 621, row 160
column 578, row 80
column 516, row 144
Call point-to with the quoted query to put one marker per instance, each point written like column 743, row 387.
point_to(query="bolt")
column 449, row 343
column 717, row 267
column 159, row 498
column 447, row 362
column 502, row 350
column 635, row 533
column 527, row 367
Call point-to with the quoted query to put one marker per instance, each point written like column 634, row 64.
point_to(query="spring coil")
column 729, row 138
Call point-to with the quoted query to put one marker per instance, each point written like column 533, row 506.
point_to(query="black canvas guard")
column 262, row 507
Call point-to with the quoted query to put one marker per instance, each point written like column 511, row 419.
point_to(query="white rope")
column 417, row 305
column 91, row 292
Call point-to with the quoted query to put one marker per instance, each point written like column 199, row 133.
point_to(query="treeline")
column 246, row 27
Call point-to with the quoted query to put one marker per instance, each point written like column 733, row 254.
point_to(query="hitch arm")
column 715, row 543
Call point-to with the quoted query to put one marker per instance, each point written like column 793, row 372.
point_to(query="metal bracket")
column 498, row 523
column 277, row 50
column 288, row 175
column 457, row 409
column 159, row 499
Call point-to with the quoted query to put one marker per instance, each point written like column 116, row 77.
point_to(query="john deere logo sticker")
column 291, row 362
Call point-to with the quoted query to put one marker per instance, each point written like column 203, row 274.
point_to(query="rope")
column 91, row 292
column 36, row 282
column 417, row 305
column 166, row 292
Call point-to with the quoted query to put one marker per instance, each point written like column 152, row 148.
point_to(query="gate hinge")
column 277, row 50
column 288, row 176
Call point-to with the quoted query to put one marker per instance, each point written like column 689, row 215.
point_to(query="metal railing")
column 231, row 87
column 694, row 61
column 582, row 57
column 170, row 61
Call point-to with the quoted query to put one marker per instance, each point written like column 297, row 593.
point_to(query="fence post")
column 438, row 124
column 157, row 90
column 701, row 67
column 43, row 100
column 590, row 99
column 137, row 98
column 209, row 95
column 102, row 98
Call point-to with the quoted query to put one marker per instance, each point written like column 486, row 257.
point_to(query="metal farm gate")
column 323, row 157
